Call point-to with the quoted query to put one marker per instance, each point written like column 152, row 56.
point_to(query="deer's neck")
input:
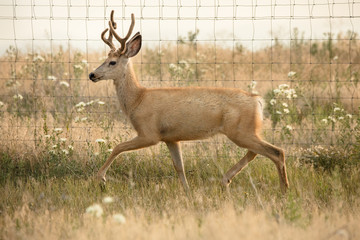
column 128, row 89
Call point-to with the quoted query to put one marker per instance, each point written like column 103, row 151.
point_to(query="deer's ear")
column 133, row 46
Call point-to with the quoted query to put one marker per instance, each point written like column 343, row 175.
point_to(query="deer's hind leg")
column 256, row 145
column 229, row 175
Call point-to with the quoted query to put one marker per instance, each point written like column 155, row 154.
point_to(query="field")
column 58, row 128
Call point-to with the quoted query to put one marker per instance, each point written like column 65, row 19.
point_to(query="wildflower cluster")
column 79, row 65
column 105, row 147
column 83, row 107
column 281, row 106
column 285, row 92
column 182, row 71
column 96, row 210
column 57, row 144
column 337, row 115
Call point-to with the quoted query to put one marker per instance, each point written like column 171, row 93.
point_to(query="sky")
column 42, row 24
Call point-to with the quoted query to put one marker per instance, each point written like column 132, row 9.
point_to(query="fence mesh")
column 303, row 57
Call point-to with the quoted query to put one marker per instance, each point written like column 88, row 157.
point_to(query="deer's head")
column 117, row 59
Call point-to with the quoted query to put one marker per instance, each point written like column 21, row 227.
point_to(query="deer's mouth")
column 94, row 78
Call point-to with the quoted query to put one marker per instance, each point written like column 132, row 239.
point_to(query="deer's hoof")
column 102, row 182
column 225, row 182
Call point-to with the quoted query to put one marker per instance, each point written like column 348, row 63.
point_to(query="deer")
column 176, row 114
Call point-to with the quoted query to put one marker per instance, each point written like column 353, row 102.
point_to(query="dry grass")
column 46, row 192
column 224, row 223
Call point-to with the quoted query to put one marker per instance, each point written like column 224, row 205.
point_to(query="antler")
column 122, row 41
column 108, row 40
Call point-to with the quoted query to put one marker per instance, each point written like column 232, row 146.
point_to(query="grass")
column 44, row 204
column 57, row 130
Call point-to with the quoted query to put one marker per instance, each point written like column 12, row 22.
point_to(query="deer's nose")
column 91, row 76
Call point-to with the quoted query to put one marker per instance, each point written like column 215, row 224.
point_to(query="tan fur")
column 172, row 115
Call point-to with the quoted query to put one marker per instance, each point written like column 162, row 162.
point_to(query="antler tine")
column 112, row 19
column 108, row 40
column 122, row 40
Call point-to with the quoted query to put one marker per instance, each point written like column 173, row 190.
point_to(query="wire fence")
column 303, row 57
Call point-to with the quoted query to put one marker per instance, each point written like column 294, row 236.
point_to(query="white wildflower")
column 18, row 96
column 95, row 210
column 276, row 91
column 289, row 93
column 336, row 109
column 64, row 83
column 119, row 218
column 341, row 118
column 110, row 150
column 252, row 86
column 54, row 146
column 52, row 152
column 101, row 102
column 62, row 139
column 278, row 112
column 286, row 110
column 80, row 104
column 288, row 127
column 349, row 115
column 291, row 74
column 52, row 78
column 65, row 151
column 272, row 102
column 100, row 140
column 58, row 130
column 108, row 200
column 39, row 58
column 283, row 86
column 1, row 104
column 71, row 147
column 90, row 103
column 47, row 136
column 285, row 105
column 172, row 66
column 80, row 109
column 77, row 119
column 84, row 61
column 335, row 58
column 324, row 120
column 83, row 119
column 332, row 119
column 78, row 66
column 294, row 95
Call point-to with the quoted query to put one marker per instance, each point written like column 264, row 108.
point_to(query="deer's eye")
column 112, row 63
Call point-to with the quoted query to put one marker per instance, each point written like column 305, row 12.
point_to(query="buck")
column 172, row 115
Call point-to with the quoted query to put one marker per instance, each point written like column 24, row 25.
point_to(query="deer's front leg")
column 136, row 143
column 175, row 152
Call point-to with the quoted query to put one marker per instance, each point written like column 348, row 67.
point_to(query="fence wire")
column 303, row 57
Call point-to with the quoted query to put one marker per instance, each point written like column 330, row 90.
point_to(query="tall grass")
column 57, row 129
